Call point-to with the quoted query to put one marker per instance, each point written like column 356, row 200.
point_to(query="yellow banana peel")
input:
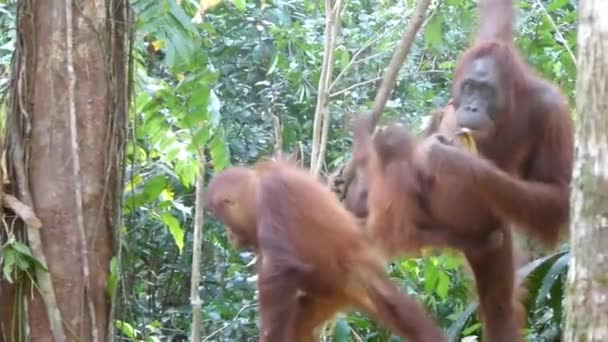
column 466, row 139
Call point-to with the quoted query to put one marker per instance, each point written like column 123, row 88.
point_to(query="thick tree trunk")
column 587, row 303
column 68, row 106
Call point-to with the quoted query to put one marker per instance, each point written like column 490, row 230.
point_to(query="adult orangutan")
column 522, row 127
column 523, row 131
column 313, row 259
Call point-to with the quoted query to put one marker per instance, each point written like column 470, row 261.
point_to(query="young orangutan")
column 313, row 259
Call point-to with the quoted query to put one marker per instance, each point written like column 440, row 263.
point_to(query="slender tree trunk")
column 587, row 303
column 68, row 106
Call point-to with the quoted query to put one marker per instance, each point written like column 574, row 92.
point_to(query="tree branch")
column 365, row 46
column 278, row 135
column 378, row 78
column 27, row 215
column 388, row 82
column 197, row 242
column 321, row 121
column 557, row 31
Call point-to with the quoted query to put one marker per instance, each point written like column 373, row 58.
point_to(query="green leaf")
column 198, row 113
column 240, row 5
column 557, row 296
column 456, row 329
column 180, row 16
column 147, row 103
column 22, row 249
column 113, row 278
column 433, row 34
column 200, row 78
column 154, row 126
column 133, row 182
column 447, row 65
column 431, row 276
column 342, row 57
column 471, row 329
column 559, row 266
column 179, row 49
column 535, row 267
column 557, row 4
column 173, row 152
column 176, row 230
column 22, row 262
column 214, row 108
column 126, row 329
column 455, row 3
column 341, row 331
column 186, row 170
column 201, row 137
column 26, row 252
column 273, row 65
column 540, row 265
column 8, row 263
column 443, row 284
column 219, row 153
column 154, row 187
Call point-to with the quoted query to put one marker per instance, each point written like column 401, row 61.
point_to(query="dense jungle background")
column 251, row 70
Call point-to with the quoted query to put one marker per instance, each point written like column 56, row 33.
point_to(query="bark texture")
column 41, row 155
column 587, row 302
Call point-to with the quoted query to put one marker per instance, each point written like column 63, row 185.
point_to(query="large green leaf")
column 433, row 33
column 533, row 273
column 341, row 331
column 175, row 228
column 219, row 152
column 559, row 267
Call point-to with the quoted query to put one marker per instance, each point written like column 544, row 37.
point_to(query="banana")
column 466, row 138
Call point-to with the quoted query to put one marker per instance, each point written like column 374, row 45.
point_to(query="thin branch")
column 376, row 55
column 557, row 31
column 226, row 325
column 321, row 121
column 378, row 78
column 343, row 8
column 22, row 210
column 197, row 242
column 326, row 115
column 301, row 153
column 76, row 168
column 321, row 87
column 323, row 143
column 388, row 82
column 278, row 135
column 365, row 46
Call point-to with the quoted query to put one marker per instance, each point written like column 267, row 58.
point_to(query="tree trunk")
column 587, row 303
column 67, row 110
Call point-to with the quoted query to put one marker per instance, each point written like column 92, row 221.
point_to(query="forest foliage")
column 225, row 81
